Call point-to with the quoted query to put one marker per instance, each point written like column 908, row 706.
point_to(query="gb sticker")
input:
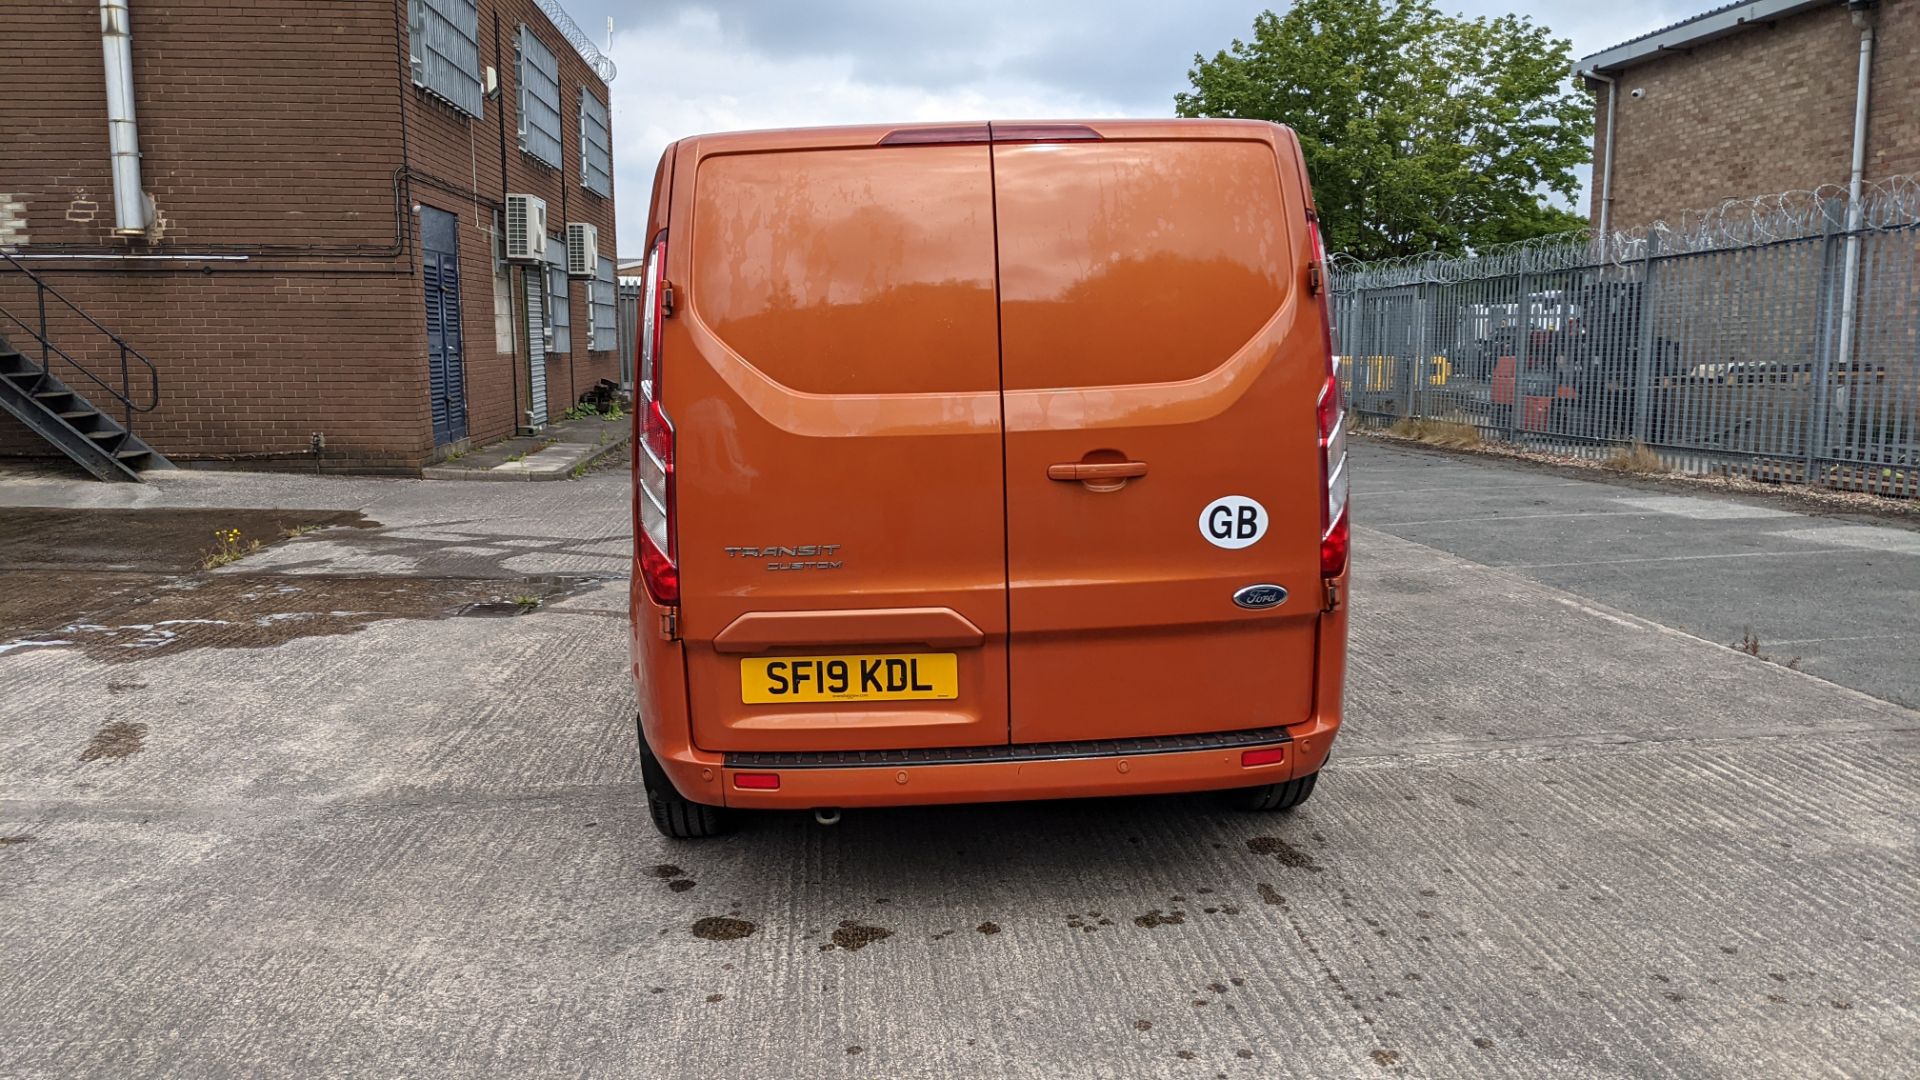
column 1233, row 521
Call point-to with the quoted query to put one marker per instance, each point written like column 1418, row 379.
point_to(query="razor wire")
column 600, row 62
column 1755, row 221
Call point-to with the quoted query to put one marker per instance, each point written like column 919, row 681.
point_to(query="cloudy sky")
column 721, row 65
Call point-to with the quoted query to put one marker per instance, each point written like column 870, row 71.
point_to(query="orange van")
column 985, row 461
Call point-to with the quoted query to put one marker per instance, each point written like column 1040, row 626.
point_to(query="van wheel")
column 1282, row 796
column 674, row 814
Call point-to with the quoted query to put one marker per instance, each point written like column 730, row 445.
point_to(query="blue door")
column 446, row 355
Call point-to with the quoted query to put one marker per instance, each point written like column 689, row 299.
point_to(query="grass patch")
column 294, row 532
column 579, row 470
column 1448, row 433
column 1750, row 645
column 1636, row 459
column 228, row 548
column 526, row 601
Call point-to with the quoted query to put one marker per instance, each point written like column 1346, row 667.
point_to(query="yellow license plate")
column 892, row 677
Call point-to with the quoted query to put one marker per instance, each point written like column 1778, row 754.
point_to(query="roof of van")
column 977, row 131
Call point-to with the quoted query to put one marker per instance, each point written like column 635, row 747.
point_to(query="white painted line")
column 1861, row 637
column 1598, row 614
column 1698, row 509
column 1488, row 519
column 1490, row 489
column 1670, row 558
column 1864, row 537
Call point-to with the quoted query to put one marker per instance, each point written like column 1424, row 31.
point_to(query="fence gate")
column 1382, row 341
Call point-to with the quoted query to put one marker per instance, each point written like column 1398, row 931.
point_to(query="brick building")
column 316, row 273
column 1752, row 98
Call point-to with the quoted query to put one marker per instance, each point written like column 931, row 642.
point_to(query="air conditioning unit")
column 583, row 249
column 526, row 228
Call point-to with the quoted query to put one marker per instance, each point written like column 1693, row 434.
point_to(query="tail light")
column 654, row 494
column 1334, row 529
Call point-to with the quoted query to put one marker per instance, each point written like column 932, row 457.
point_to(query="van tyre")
column 674, row 814
column 1282, row 796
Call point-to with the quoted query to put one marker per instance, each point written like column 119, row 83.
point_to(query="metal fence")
column 626, row 318
column 1777, row 338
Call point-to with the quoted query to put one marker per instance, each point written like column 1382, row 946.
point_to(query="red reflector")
column 926, row 136
column 1042, row 132
column 1333, row 547
column 1266, row 755
column 757, row 781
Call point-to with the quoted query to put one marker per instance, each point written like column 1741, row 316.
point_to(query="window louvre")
column 603, row 331
column 445, row 50
column 539, row 72
column 596, row 146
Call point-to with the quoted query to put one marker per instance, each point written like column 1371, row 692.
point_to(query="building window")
column 603, row 332
column 539, row 72
column 596, row 146
column 559, row 318
column 445, row 49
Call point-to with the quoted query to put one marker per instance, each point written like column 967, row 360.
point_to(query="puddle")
column 121, row 584
column 1156, row 918
column 173, row 540
column 1286, row 854
column 239, row 611
column 721, row 928
column 854, row 936
column 117, row 740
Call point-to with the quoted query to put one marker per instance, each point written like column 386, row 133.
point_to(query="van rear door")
column 832, row 374
column 1161, row 367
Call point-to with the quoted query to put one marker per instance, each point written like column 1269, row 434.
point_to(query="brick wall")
column 272, row 135
column 1768, row 109
column 458, row 162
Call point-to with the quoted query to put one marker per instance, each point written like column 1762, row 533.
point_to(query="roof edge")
column 1708, row 26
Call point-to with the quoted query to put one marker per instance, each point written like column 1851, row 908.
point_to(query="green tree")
column 1422, row 131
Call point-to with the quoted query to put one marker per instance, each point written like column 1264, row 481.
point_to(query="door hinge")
column 670, row 624
column 1333, row 596
column 1313, row 278
column 666, row 297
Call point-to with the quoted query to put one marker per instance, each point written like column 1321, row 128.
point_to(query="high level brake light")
column 1335, row 533
column 653, row 466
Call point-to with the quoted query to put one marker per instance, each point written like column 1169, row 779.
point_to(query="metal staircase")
column 40, row 392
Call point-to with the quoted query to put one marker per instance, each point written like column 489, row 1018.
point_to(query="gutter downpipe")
column 1856, row 213
column 132, row 210
column 1606, row 162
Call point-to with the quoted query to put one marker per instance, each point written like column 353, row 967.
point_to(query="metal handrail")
column 48, row 349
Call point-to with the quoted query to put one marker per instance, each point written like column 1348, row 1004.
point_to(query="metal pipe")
column 123, row 257
column 827, row 815
column 1606, row 162
column 132, row 211
column 1850, row 279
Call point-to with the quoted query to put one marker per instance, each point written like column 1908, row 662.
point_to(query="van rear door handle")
column 1097, row 470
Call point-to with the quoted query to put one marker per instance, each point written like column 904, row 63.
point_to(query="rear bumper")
column 809, row 781
column 1062, row 771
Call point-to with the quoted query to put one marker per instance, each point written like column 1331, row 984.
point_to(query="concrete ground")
column 560, row 451
column 1567, row 831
